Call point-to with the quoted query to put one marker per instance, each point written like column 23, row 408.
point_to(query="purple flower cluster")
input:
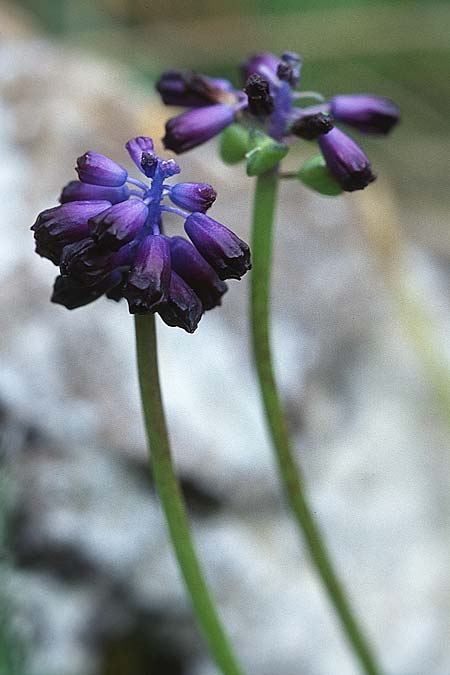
column 270, row 101
column 107, row 238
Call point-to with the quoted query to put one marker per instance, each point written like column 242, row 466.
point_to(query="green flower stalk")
column 291, row 477
column 171, row 500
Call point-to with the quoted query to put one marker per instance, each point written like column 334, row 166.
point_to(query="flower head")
column 107, row 238
column 271, row 103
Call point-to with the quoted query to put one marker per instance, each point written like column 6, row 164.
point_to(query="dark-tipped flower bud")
column 188, row 89
column 62, row 225
column 149, row 162
column 119, row 224
column 196, row 126
column 183, row 307
column 260, row 102
column 78, row 191
column 264, row 64
column 136, row 147
column 312, row 125
column 225, row 252
column 97, row 169
column 149, row 278
column 289, row 68
column 85, row 262
column 367, row 113
column 196, row 272
column 346, row 161
column 71, row 294
column 193, row 196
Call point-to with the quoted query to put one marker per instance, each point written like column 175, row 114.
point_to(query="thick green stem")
column 263, row 216
column 172, row 502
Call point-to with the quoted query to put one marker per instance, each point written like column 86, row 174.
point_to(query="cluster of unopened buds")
column 107, row 238
column 259, row 119
column 107, row 234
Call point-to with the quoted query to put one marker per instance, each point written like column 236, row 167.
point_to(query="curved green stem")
column 172, row 502
column 263, row 216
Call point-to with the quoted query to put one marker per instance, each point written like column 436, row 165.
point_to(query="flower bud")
column 119, row 224
column 312, row 125
column 264, row 64
column 194, row 127
column 183, row 307
column 71, row 294
column 136, row 147
column 97, row 169
column 289, row 68
column 225, row 252
column 169, row 167
column 85, row 262
column 346, row 161
column 188, row 89
column 367, row 113
column 62, row 225
column 149, row 164
column 260, row 102
column 193, row 196
column 78, row 191
column 149, row 278
column 196, row 272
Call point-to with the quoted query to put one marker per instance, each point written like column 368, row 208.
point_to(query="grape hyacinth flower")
column 107, row 238
column 271, row 104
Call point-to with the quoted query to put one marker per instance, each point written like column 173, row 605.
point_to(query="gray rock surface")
column 91, row 551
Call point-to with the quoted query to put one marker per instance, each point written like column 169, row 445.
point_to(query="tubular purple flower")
column 196, row 272
column 137, row 146
column 72, row 294
column 188, row 89
column 196, row 126
column 78, row 191
column 225, row 252
column 346, row 161
column 85, row 262
column 149, row 278
column 119, row 224
column 264, row 64
column 62, row 225
column 97, row 169
column 193, row 196
column 183, row 307
column 367, row 113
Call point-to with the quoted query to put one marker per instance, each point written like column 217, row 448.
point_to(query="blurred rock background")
column 90, row 586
